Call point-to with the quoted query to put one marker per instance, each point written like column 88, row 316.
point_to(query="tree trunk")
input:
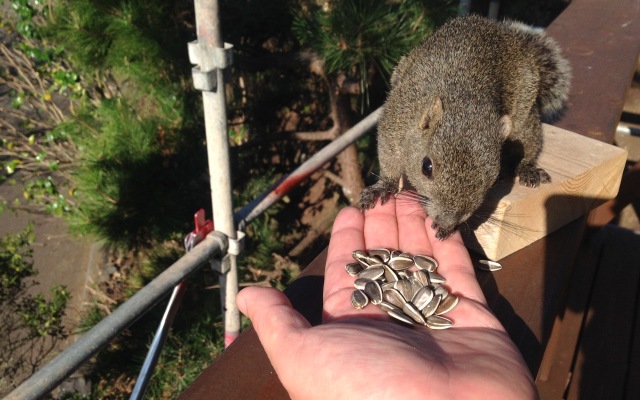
column 349, row 163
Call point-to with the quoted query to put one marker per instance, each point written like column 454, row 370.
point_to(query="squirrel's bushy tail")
column 555, row 72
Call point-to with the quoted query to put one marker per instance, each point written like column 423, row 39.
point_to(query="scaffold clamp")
column 203, row 227
column 208, row 59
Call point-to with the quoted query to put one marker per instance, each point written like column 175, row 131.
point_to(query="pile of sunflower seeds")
column 407, row 287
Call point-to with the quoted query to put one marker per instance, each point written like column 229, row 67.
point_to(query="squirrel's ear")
column 505, row 126
column 432, row 115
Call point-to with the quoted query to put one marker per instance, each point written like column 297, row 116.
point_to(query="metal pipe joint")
column 207, row 60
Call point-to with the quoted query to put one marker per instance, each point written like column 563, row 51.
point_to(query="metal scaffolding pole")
column 252, row 210
column 212, row 57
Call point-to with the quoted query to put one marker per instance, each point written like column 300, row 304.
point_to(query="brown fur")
column 471, row 87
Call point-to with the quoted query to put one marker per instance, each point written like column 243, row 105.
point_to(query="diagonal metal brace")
column 207, row 60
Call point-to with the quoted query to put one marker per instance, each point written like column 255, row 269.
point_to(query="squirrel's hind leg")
column 531, row 176
column 530, row 137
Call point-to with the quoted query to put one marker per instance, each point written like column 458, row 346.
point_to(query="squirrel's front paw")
column 370, row 194
column 532, row 176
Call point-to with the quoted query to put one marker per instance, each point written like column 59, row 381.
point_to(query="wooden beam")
column 584, row 174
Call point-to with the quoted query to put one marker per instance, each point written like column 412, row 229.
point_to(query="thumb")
column 273, row 318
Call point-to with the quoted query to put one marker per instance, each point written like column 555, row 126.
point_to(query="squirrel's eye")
column 427, row 167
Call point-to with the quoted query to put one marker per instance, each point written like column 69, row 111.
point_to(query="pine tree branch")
column 348, row 85
column 334, row 178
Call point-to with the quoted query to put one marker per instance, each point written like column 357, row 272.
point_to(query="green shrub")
column 31, row 324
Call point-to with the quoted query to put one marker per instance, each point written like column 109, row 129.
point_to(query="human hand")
column 365, row 354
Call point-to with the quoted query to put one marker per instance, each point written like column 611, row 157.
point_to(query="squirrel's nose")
column 447, row 222
column 450, row 221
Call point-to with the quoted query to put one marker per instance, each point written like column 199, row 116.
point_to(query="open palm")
column 364, row 354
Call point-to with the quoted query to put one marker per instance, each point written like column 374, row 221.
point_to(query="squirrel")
column 469, row 97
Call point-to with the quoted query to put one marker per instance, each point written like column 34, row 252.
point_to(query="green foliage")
column 135, row 41
column 358, row 36
column 263, row 238
column 31, row 324
column 45, row 192
column 139, row 140
column 90, row 318
column 15, row 263
column 188, row 352
column 44, row 317
column 27, row 10
column 137, row 181
column 41, row 85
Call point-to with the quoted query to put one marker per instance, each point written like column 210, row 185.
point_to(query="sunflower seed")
column 439, row 322
column 365, row 259
column 388, row 279
column 354, row 268
column 432, row 306
column 359, row 255
column 415, row 285
column 447, row 304
column 373, row 261
column 442, row 291
column 401, row 316
column 373, row 291
column 387, row 285
column 405, row 288
column 422, row 297
column 394, row 297
column 414, row 313
column 372, row 273
column 426, row 262
column 488, row 265
column 359, row 299
column 401, row 262
column 386, row 306
column 423, row 276
column 389, row 274
column 383, row 254
column 406, row 274
column 360, row 282
column 435, row 277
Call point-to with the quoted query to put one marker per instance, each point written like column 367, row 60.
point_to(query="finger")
column 272, row 316
column 381, row 226
column 455, row 264
column 412, row 234
column 415, row 239
column 354, row 231
column 347, row 235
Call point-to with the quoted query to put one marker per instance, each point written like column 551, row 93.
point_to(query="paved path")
column 60, row 258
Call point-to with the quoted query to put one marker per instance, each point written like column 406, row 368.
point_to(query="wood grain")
column 584, row 174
